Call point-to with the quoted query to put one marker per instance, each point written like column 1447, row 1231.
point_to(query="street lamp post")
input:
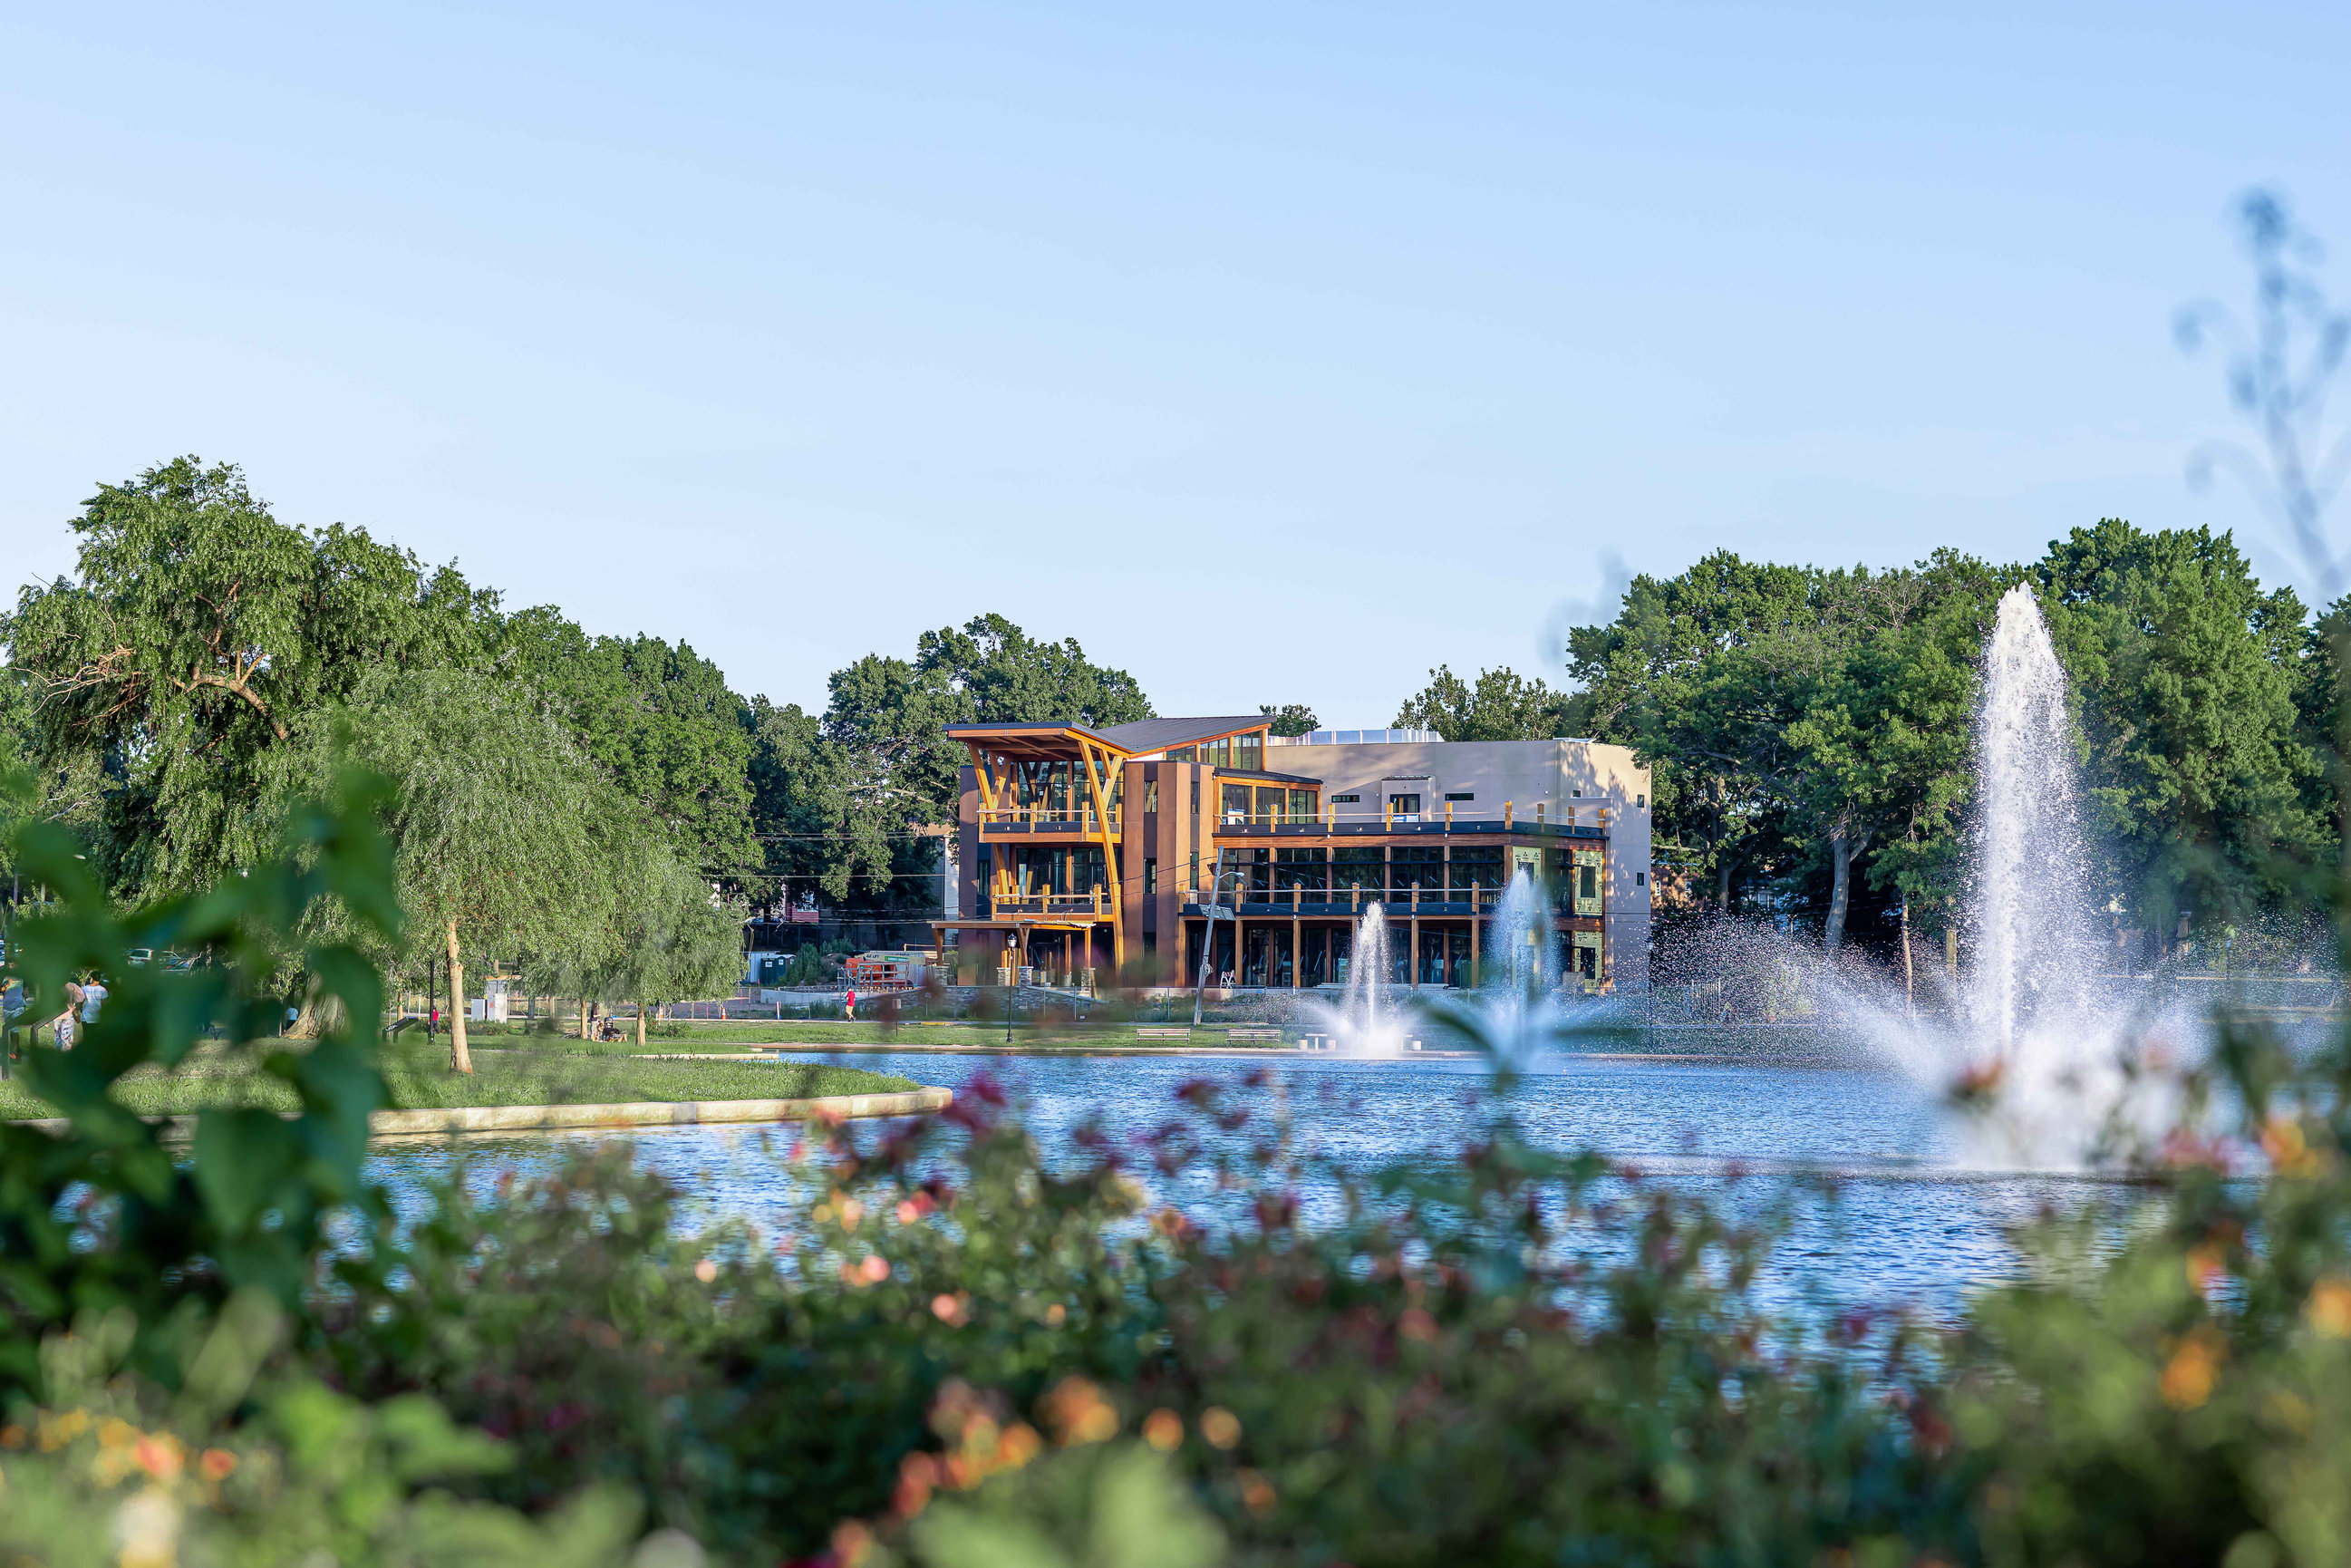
column 1208, row 941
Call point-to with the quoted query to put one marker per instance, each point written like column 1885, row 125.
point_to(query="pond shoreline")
column 443, row 1121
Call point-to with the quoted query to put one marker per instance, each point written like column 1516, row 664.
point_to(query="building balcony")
column 1095, row 905
column 1589, row 823
column 1038, row 821
column 1314, row 902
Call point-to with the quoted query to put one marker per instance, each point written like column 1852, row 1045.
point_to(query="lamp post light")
column 1209, row 940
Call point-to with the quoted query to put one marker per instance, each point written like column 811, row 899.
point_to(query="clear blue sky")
column 1277, row 353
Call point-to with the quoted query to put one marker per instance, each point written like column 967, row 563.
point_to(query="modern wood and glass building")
column 1111, row 849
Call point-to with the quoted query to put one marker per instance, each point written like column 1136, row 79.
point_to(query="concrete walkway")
column 444, row 1120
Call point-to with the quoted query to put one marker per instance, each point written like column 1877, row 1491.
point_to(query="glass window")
column 1415, row 871
column 1358, row 872
column 1218, row 753
column 1302, row 806
column 1181, row 754
column 1404, row 808
column 1194, row 884
column 1272, row 804
column 1151, row 794
column 1302, row 876
column 1150, row 876
column 1235, row 805
column 1346, row 799
column 1476, row 867
column 1471, row 795
column 1249, row 751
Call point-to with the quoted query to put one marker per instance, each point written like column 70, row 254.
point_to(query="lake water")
column 1899, row 1220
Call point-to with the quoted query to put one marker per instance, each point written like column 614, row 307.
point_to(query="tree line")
column 604, row 810
column 1811, row 730
column 610, row 809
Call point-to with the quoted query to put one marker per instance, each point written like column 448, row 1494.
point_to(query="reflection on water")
column 1905, row 1226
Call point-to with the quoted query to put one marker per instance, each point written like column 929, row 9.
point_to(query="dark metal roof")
column 1266, row 777
column 1159, row 734
column 1129, row 739
column 1029, row 726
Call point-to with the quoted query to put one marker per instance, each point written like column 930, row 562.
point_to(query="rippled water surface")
column 1883, row 1215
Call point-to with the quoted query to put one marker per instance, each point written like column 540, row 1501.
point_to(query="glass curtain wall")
column 1475, row 873
column 1359, row 873
column 1415, row 873
column 1302, row 876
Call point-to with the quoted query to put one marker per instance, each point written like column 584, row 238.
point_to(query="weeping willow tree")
column 505, row 838
column 669, row 937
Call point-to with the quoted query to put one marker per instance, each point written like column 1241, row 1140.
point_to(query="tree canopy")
column 1502, row 705
column 659, row 720
column 196, row 632
column 1811, row 730
column 505, row 841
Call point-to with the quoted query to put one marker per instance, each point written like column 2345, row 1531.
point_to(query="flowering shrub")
column 956, row 1353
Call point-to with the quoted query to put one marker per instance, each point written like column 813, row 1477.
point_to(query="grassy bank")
column 739, row 1034
column 418, row 1077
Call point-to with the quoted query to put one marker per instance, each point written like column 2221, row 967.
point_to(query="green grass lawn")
column 419, row 1079
column 739, row 1034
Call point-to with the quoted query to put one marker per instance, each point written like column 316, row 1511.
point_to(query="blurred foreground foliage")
column 956, row 1353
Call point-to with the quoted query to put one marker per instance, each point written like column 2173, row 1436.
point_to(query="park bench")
column 1252, row 1034
column 1163, row 1031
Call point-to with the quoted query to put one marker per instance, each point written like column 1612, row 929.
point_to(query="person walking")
column 92, row 994
column 848, row 1007
column 61, row 1028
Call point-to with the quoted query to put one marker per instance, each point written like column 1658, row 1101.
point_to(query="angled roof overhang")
column 1047, row 739
column 1059, row 737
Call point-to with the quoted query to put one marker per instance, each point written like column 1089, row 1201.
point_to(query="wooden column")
column 1111, row 871
column 1474, row 924
column 1297, row 949
column 1411, row 977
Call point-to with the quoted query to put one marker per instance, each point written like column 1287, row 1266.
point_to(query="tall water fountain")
column 2034, row 949
column 2039, row 1020
column 1364, row 1027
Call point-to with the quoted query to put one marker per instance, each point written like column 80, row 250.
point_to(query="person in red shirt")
column 850, row 1011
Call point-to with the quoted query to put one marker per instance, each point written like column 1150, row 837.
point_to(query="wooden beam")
column 1111, row 870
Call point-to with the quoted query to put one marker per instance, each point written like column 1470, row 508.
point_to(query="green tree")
column 1886, row 741
column 197, row 630
column 505, row 841
column 659, row 720
column 1290, row 718
column 676, row 940
column 1796, row 718
column 795, row 798
column 881, row 770
column 1702, row 674
column 1003, row 674
column 1500, row 706
column 2189, row 677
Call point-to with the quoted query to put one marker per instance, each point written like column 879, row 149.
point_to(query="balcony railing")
column 1093, row 905
column 1351, row 900
column 1041, row 820
column 1333, row 820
